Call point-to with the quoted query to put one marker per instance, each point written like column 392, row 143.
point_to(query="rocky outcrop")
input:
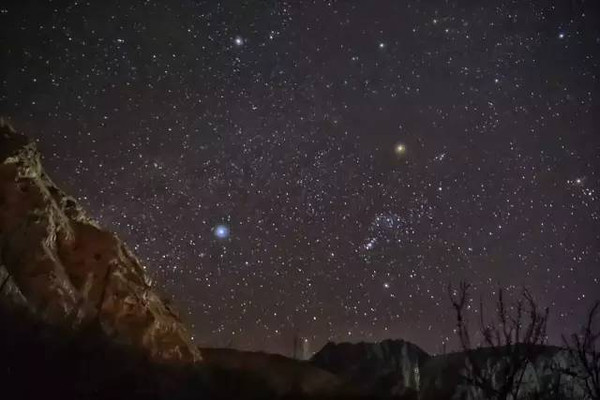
column 391, row 367
column 398, row 368
column 58, row 264
column 545, row 377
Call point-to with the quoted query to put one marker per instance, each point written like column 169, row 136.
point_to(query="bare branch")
column 585, row 352
column 512, row 339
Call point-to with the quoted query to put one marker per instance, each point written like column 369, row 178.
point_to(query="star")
column 238, row 41
column 400, row 149
column 221, row 231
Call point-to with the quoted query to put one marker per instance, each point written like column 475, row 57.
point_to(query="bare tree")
column 585, row 352
column 509, row 342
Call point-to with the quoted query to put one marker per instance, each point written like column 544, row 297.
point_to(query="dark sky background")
column 361, row 155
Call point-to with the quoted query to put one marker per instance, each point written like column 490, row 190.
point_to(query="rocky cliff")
column 544, row 378
column 391, row 367
column 399, row 369
column 60, row 266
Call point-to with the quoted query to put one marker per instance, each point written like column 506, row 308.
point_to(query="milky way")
column 358, row 156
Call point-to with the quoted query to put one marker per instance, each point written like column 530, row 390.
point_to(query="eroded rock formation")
column 387, row 368
column 61, row 266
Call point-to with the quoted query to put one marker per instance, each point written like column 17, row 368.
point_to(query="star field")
column 325, row 167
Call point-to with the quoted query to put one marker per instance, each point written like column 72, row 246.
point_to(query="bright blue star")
column 221, row 231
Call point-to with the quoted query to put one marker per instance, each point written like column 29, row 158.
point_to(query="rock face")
column 391, row 367
column 63, row 268
column 542, row 379
column 398, row 368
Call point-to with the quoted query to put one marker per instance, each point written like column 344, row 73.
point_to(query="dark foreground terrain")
column 38, row 361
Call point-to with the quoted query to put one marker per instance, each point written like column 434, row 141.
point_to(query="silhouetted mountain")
column 543, row 378
column 281, row 376
column 398, row 368
column 386, row 368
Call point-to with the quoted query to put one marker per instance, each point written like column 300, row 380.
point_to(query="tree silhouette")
column 510, row 341
column 585, row 353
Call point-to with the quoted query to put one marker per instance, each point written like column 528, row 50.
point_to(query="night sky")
column 324, row 167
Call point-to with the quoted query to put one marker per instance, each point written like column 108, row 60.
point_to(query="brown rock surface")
column 66, row 270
